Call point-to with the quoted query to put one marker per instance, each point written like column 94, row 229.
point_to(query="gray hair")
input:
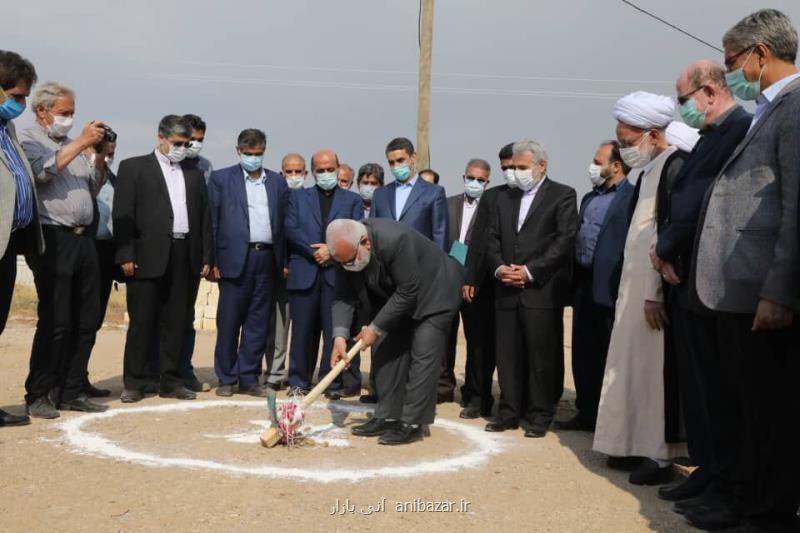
column 174, row 125
column 344, row 229
column 47, row 94
column 293, row 155
column 711, row 74
column 767, row 26
column 479, row 163
column 532, row 147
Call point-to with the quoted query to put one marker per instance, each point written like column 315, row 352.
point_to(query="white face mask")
column 511, row 181
column 60, row 126
column 366, row 192
column 360, row 262
column 295, row 182
column 595, row 175
column 109, row 161
column 194, row 149
column 526, row 180
column 176, row 154
column 637, row 156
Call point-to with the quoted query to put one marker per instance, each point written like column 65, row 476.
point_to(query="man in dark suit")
column 407, row 292
column 478, row 331
column 247, row 205
column 747, row 270
column 20, row 230
column 599, row 244
column 531, row 239
column 162, row 230
column 479, row 283
column 409, row 199
column 723, row 124
column 312, row 275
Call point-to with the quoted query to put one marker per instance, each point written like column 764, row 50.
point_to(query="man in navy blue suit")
column 599, row 244
column 247, row 214
column 312, row 275
column 409, row 199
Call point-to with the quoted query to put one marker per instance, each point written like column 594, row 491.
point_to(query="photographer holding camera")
column 68, row 175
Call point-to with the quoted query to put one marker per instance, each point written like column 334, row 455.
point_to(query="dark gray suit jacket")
column 408, row 276
column 747, row 248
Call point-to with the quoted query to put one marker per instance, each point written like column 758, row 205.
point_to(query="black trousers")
column 756, row 416
column 8, row 276
column 108, row 270
column 478, row 323
column 530, row 364
column 700, row 366
column 591, row 335
column 160, row 307
column 67, row 279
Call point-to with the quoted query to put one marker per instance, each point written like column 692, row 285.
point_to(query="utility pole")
column 424, row 90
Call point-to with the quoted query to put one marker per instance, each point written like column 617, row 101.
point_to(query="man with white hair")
column 68, row 175
column 633, row 419
column 530, row 242
column 406, row 292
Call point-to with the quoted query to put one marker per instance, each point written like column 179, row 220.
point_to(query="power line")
column 673, row 26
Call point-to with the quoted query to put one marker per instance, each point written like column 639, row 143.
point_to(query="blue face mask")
column 473, row 188
column 10, row 109
column 691, row 116
column 251, row 162
column 401, row 172
column 327, row 180
column 740, row 85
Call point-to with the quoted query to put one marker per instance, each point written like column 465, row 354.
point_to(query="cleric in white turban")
column 645, row 110
column 636, row 417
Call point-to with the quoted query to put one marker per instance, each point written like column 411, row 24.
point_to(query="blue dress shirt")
column 401, row 193
column 23, row 205
column 258, row 208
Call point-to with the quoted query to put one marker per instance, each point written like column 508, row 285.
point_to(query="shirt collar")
column 773, row 90
column 247, row 177
column 409, row 183
column 164, row 159
column 535, row 188
column 717, row 122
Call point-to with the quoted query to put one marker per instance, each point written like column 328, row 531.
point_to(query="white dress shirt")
column 466, row 217
column 176, row 187
column 525, row 204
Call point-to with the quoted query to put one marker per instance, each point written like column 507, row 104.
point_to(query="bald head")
column 324, row 161
column 703, row 82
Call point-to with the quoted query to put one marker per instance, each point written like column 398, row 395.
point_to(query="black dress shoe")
column 131, row 396
column 497, row 426
column 691, row 487
column 179, row 393
column 445, row 397
column 404, row 434
column 470, row 412
column 576, row 423
column 42, row 408
column 699, row 502
column 195, row 385
column 627, row 464
column 535, row 432
column 713, row 519
column 93, row 392
column 368, row 398
column 259, row 391
column 225, row 391
column 374, row 427
column 649, row 473
column 7, row 419
column 83, row 404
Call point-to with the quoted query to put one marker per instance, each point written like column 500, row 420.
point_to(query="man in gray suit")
column 747, row 271
column 19, row 220
column 406, row 314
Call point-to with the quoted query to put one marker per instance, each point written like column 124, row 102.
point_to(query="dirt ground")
column 201, row 469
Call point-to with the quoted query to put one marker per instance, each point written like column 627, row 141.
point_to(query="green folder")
column 459, row 252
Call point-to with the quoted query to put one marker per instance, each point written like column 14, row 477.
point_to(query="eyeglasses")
column 480, row 179
column 682, row 99
column 180, row 144
column 730, row 61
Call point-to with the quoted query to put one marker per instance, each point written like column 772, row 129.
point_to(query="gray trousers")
column 278, row 339
column 407, row 365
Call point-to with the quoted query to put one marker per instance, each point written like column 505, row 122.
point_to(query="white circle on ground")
column 482, row 445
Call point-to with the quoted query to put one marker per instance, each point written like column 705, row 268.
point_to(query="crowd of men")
column 681, row 266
